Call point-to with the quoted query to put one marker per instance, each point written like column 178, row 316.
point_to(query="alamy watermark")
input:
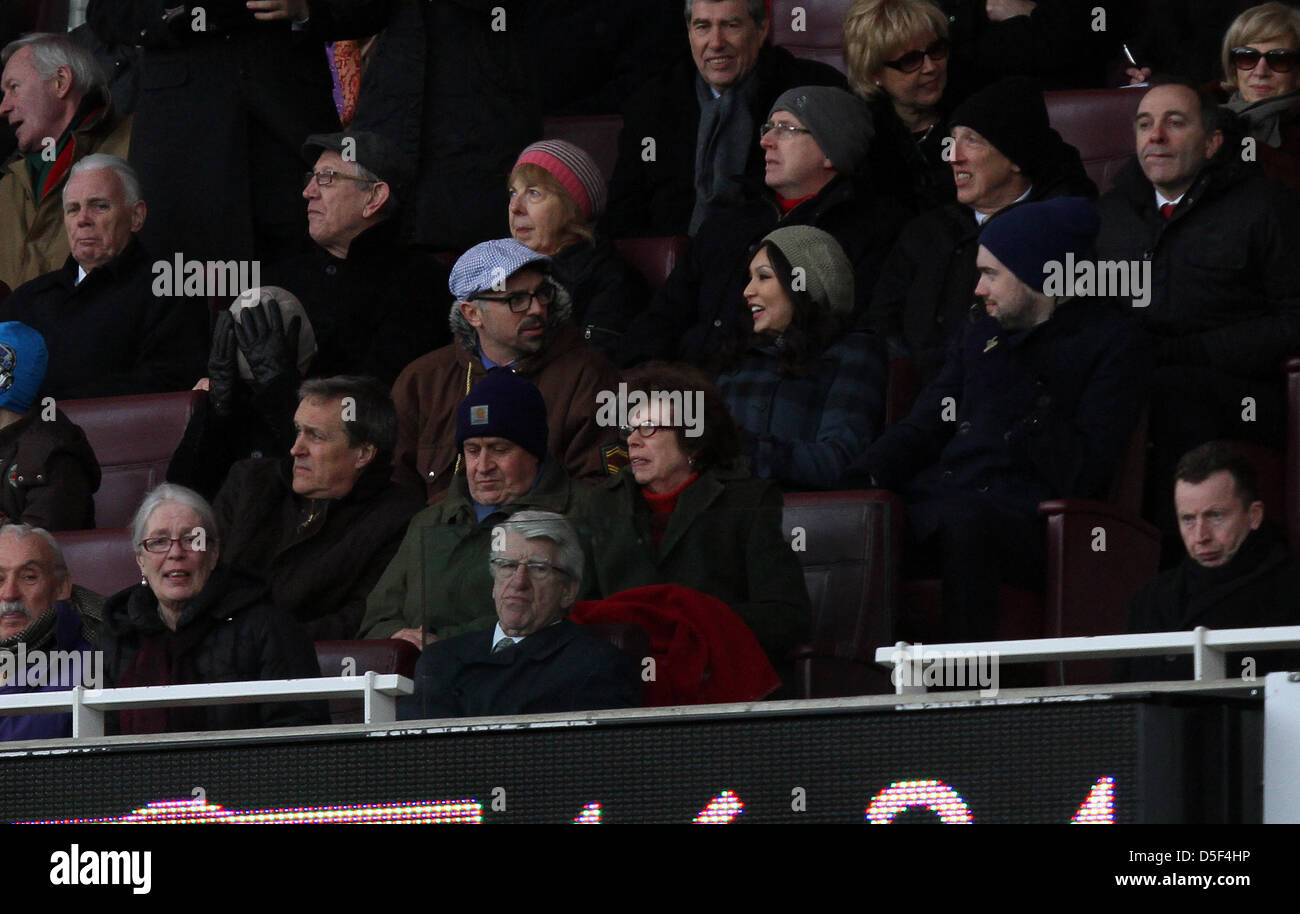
column 682, row 409
column 1129, row 279
column 915, row 666
column 22, row 668
column 179, row 277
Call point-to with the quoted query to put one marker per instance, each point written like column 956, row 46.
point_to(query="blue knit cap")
column 1027, row 237
column 23, row 358
column 504, row 405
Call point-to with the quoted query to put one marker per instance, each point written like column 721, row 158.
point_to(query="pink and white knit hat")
column 576, row 171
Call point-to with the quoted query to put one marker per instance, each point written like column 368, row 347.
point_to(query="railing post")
column 379, row 708
column 1208, row 663
column 86, row 721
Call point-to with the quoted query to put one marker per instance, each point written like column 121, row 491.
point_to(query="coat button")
column 963, row 428
column 947, row 474
column 984, row 488
column 20, row 479
column 433, row 473
column 717, row 323
column 40, row 478
column 331, row 270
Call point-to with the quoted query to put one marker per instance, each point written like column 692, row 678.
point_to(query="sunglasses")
column 912, row 60
column 1280, row 60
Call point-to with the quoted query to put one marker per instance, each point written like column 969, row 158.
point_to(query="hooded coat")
column 50, row 473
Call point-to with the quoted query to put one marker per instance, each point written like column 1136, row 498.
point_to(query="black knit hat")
column 1012, row 115
column 504, row 405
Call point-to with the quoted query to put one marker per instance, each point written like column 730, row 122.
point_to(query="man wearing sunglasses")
column 1224, row 311
column 508, row 313
column 534, row 660
column 702, row 118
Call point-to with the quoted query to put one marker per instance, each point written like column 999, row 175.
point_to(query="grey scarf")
column 1264, row 117
column 722, row 143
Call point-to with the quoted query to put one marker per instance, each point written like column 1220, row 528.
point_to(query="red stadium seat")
column 654, row 258
column 848, row 544
column 356, row 658
column 819, row 25
column 1099, row 123
column 1279, row 473
column 595, row 133
column 101, row 560
column 134, row 438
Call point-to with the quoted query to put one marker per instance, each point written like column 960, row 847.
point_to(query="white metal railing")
column 1207, row 647
column 88, row 706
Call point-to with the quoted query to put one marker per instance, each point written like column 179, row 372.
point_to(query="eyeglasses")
column 782, row 130
column 158, row 544
column 504, row 570
column 912, row 60
column 519, row 302
column 326, row 178
column 1280, row 60
column 647, row 429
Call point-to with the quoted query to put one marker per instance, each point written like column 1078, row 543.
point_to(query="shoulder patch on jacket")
column 615, row 458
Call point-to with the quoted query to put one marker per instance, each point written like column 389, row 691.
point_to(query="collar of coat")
column 226, row 592
column 120, row 268
column 552, row 493
column 374, row 480
column 537, row 647
column 1218, row 177
column 694, row 500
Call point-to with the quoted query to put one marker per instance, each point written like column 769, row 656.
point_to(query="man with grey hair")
column 47, row 627
column 107, row 331
column 535, row 660
column 57, row 102
column 689, row 131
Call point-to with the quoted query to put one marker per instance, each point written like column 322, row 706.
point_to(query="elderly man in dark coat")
column 1037, row 400
column 534, row 660
column 689, row 130
column 322, row 523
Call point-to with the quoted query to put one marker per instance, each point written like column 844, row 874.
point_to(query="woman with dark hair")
column 807, row 394
column 683, row 511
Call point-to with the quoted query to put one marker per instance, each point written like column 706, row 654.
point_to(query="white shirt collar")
column 1161, row 199
column 981, row 218
column 81, row 274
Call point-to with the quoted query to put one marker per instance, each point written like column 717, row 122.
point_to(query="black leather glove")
column 270, row 351
column 223, row 369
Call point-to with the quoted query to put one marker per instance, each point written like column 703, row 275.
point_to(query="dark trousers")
column 975, row 545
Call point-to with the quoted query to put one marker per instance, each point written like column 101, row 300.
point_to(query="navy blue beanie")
column 1026, row 237
column 504, row 405
column 23, row 358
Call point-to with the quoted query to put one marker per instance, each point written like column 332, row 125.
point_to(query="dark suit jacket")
column 557, row 669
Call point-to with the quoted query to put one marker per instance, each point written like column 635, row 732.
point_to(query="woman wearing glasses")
column 806, row 394
column 684, row 512
column 1260, row 52
column 188, row 621
column 896, row 54
column 557, row 193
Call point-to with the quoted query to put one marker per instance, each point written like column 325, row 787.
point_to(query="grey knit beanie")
column 827, row 274
column 839, row 121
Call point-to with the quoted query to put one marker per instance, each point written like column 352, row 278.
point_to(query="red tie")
column 1167, row 210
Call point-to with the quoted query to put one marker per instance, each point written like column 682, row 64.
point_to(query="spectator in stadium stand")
column 556, row 195
column 107, row 331
column 807, row 394
column 226, row 94
column 534, row 660
column 1180, row 36
column 508, row 313
column 1004, row 152
column 815, row 142
column 322, row 523
column 54, row 92
column 42, row 611
column 1261, row 68
column 49, row 465
column 1224, row 309
column 433, row 587
column 1236, row 572
column 1037, row 400
column 191, row 621
column 686, row 512
column 896, row 54
column 689, row 130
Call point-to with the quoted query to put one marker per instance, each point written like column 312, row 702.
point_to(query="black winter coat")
column 557, row 669
column 927, row 284
column 110, row 335
column 657, row 198
column 608, row 293
column 448, row 84
column 1041, row 413
column 50, row 473
column 230, row 632
column 1225, row 277
column 321, row 572
column 702, row 305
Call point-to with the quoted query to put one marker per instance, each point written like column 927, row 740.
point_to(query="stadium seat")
column 654, row 258
column 4, row 291
column 820, row 29
column 1099, row 123
column 595, row 133
column 133, row 438
column 356, row 658
column 1279, row 472
column 848, row 545
column 904, row 385
column 100, row 560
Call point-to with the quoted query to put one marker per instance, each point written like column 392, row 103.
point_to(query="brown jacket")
column 49, row 473
column 32, row 238
column 568, row 372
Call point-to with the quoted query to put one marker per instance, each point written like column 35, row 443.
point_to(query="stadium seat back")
column 1099, row 123
column 356, row 658
column 101, row 560
column 653, row 258
column 595, row 133
column 812, row 29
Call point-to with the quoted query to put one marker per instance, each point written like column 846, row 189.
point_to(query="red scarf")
column 662, row 507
